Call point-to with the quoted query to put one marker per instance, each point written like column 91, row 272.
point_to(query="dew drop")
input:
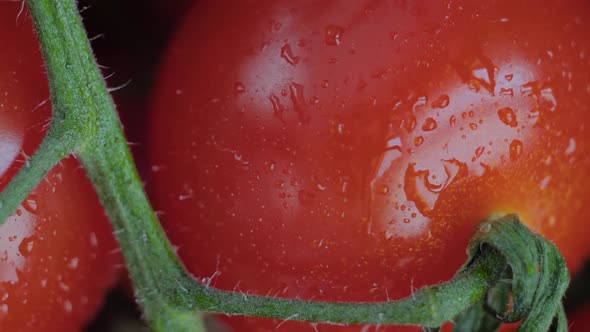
column 333, row 35
column 68, row 306
column 479, row 151
column 571, row 148
column 453, row 121
column 239, row 87
column 507, row 116
column 410, row 123
column 441, row 102
column 544, row 182
column 419, row 104
column 26, row 246
column 429, row 124
column 547, row 99
column 508, row 77
column 418, row 140
column 73, row 263
column 287, row 54
column 515, row 149
column 298, row 100
column 93, row 240
column 31, row 204
column 473, row 126
column 277, row 107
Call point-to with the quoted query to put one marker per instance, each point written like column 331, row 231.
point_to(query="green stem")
column 85, row 122
column 29, row 176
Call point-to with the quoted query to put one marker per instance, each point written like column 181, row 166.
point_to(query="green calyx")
column 506, row 261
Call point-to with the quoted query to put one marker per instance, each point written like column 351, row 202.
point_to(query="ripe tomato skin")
column 346, row 151
column 57, row 253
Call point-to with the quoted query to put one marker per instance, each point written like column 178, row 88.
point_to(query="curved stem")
column 85, row 121
column 430, row 306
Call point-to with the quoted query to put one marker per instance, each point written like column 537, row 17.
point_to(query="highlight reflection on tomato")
column 57, row 253
column 346, row 151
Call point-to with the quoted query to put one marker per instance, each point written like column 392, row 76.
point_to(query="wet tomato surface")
column 346, row 151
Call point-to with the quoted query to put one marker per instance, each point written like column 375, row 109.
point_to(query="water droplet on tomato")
column 93, row 240
column 26, row 246
column 73, row 263
column 287, row 54
column 441, row 102
column 571, row 147
column 547, row 99
column 423, row 187
column 239, row 87
column 409, row 123
column 515, row 149
column 418, row 140
column 473, row 126
column 429, row 124
column 68, row 306
column 298, row 100
column 544, row 182
column 508, row 116
column 31, row 204
column 333, row 35
column 419, row 104
column 479, row 151
column 277, row 106
column 452, row 121
column 508, row 77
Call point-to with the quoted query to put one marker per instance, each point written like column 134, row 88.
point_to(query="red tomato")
column 57, row 254
column 347, row 150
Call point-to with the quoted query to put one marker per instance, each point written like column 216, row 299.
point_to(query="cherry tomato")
column 57, row 253
column 347, row 150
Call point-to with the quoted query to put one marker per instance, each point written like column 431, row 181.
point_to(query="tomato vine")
column 85, row 124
